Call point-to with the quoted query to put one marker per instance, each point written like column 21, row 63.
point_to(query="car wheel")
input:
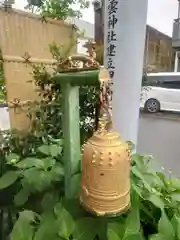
column 152, row 106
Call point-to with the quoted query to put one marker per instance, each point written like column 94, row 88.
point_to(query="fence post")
column 71, row 133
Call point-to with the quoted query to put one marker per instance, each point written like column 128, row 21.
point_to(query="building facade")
column 158, row 54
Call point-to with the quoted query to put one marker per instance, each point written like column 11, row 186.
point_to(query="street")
column 159, row 135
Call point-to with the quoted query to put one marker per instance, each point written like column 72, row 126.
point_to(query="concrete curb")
column 162, row 115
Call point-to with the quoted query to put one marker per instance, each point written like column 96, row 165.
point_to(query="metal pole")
column 125, row 28
column 147, row 51
column 176, row 62
column 179, row 9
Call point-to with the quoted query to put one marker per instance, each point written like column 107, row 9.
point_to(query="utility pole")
column 124, row 42
column 176, row 40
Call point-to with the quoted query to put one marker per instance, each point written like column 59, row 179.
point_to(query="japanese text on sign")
column 111, row 37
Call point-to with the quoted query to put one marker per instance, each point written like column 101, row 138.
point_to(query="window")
column 170, row 84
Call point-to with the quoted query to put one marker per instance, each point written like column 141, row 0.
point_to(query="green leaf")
column 27, row 216
column 58, row 208
column 134, row 236
column 65, row 221
column 137, row 188
column 43, row 181
column 175, row 183
column 85, row 229
column 178, row 230
column 45, row 149
column 30, row 162
column 48, row 228
column 112, row 235
column 73, row 206
column 139, row 160
column 22, row 196
column 55, row 150
column 162, row 178
column 36, row 3
column 60, row 142
column 116, row 227
column 23, row 229
column 175, row 221
column 133, row 219
column 101, row 226
column 156, row 200
column 175, row 196
column 140, row 175
column 49, row 162
column 158, row 236
column 49, row 200
column 8, row 179
column 75, row 183
column 12, row 158
column 165, row 227
column 153, row 180
column 38, row 179
column 57, row 172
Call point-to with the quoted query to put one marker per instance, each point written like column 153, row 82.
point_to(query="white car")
column 165, row 96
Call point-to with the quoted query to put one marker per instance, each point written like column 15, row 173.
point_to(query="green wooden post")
column 71, row 134
column 70, row 83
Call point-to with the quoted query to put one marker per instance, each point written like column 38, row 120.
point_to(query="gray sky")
column 160, row 14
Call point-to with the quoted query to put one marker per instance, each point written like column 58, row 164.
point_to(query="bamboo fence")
column 26, row 37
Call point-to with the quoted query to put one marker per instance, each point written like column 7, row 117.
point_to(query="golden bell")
column 105, row 186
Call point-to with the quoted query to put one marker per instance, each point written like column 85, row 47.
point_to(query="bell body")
column 105, row 187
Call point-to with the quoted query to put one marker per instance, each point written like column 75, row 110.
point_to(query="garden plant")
column 33, row 205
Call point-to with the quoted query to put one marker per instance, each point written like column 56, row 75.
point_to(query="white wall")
column 4, row 118
column 80, row 48
column 160, row 137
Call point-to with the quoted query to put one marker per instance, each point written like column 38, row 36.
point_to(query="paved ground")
column 159, row 135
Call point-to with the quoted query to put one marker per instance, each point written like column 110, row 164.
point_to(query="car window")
column 170, row 84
